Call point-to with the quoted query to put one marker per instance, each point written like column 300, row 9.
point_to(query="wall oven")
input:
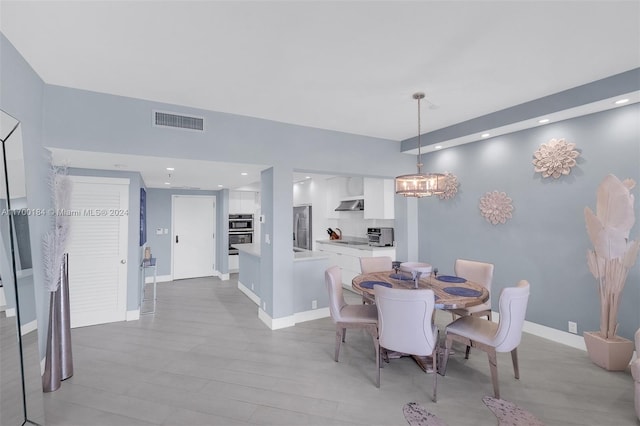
column 239, row 238
column 240, row 231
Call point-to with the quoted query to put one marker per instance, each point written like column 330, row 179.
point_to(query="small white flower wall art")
column 496, row 207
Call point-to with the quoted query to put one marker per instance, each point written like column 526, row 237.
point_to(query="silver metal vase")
column 52, row 376
column 66, row 355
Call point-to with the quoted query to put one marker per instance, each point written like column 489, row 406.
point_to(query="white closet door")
column 98, row 250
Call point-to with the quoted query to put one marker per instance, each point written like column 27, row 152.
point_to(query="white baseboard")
column 277, row 323
column 558, row 336
column 43, row 363
column 224, row 277
column 249, row 293
column 29, row 327
column 11, row 312
column 311, row 315
column 133, row 315
column 291, row 320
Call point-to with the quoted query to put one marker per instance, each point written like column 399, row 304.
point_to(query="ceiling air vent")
column 166, row 119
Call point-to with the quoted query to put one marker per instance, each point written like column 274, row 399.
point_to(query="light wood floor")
column 204, row 358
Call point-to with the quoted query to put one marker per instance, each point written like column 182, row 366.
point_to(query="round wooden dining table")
column 450, row 292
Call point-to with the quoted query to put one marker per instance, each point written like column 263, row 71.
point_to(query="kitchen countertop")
column 252, row 249
column 298, row 254
column 355, row 243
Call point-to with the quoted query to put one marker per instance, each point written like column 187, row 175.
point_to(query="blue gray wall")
column 546, row 241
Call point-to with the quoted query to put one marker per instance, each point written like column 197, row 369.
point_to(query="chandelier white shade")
column 420, row 184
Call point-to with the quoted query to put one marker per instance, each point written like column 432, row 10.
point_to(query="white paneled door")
column 194, row 222
column 98, row 250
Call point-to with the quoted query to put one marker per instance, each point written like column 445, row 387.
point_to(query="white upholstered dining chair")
column 348, row 316
column 374, row 264
column 405, row 325
column 491, row 337
column 478, row 272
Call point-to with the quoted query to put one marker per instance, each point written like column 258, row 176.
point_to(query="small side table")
column 148, row 264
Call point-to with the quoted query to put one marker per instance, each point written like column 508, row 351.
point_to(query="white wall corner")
column 277, row 323
column 133, row 315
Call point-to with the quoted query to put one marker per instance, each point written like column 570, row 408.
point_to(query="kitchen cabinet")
column 342, row 188
column 242, row 202
column 234, row 263
column 348, row 257
column 379, row 196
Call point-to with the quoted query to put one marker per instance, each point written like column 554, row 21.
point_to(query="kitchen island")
column 310, row 298
column 346, row 253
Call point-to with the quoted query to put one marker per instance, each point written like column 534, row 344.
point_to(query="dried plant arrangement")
column 54, row 242
column 613, row 254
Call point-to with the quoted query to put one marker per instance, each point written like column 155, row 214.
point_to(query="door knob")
column 123, row 261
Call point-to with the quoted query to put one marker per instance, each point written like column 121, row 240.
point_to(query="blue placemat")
column 462, row 291
column 451, row 279
column 401, row 277
column 370, row 284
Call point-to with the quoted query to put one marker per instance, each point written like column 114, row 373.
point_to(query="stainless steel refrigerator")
column 302, row 227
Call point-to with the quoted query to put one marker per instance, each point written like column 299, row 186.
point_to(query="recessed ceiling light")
column 307, row 177
column 485, row 135
column 544, row 120
column 621, row 101
column 170, row 169
column 244, row 173
column 167, row 183
column 219, row 186
column 437, row 147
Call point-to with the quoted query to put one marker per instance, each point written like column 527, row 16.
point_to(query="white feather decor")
column 55, row 241
column 613, row 254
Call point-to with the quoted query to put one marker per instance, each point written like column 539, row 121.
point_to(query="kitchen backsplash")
column 354, row 224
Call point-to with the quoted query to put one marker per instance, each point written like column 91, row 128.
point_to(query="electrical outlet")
column 573, row 327
column 264, row 306
column 251, row 286
column 314, row 304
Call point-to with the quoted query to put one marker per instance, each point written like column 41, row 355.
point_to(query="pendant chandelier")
column 420, row 184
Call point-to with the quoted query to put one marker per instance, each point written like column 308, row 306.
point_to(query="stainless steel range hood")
column 350, row 206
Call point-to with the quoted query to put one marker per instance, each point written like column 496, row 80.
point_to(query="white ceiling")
column 350, row 66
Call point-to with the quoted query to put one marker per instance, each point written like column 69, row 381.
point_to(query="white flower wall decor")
column 450, row 186
column 496, row 207
column 555, row 158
